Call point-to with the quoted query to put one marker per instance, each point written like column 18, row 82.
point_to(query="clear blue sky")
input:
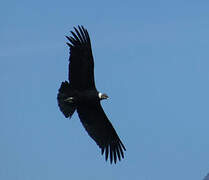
column 151, row 58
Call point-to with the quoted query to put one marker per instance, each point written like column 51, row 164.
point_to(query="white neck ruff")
column 100, row 95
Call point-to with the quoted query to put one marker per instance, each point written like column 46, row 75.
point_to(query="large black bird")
column 80, row 94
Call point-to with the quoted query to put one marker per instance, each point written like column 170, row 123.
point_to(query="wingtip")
column 106, row 153
column 68, row 38
column 69, row 44
column 74, row 28
column 113, row 153
column 102, row 151
column 80, row 26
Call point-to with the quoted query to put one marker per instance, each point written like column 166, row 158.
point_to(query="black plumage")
column 81, row 94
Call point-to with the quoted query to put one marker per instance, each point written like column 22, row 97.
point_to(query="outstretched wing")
column 81, row 66
column 101, row 130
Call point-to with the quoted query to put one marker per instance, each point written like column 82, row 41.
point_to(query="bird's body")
column 80, row 94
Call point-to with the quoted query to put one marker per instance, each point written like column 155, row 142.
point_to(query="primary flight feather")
column 80, row 94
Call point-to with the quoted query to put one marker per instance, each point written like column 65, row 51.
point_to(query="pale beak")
column 70, row 99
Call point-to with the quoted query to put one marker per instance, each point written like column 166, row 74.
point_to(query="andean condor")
column 80, row 94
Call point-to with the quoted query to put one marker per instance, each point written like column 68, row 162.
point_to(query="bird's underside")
column 81, row 95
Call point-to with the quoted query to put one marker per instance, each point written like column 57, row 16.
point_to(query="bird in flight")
column 80, row 94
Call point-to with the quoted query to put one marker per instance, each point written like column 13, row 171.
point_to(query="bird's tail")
column 65, row 99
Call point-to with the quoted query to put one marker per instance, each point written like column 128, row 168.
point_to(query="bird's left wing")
column 81, row 66
column 101, row 130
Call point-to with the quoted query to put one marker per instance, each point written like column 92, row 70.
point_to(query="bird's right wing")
column 101, row 130
column 81, row 66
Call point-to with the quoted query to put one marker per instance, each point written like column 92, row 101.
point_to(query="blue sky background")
column 151, row 58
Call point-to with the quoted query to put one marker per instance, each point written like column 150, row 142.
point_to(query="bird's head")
column 103, row 96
